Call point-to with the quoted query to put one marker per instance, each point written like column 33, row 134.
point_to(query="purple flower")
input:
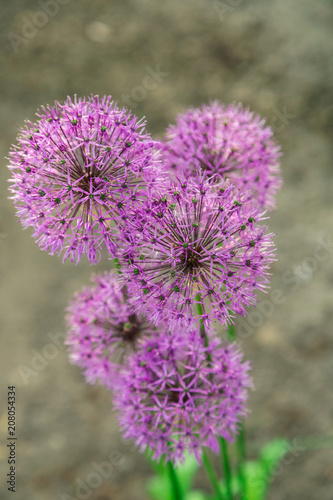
column 102, row 328
column 75, row 172
column 197, row 243
column 228, row 141
column 175, row 395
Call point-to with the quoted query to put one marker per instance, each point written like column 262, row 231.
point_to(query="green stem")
column 231, row 332
column 226, row 466
column 240, row 444
column 200, row 313
column 205, row 459
column 176, row 489
column 116, row 265
column 211, row 474
column 240, row 440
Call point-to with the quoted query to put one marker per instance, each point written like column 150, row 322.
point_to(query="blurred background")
column 276, row 58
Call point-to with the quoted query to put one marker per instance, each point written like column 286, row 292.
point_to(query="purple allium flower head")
column 229, row 141
column 76, row 170
column 176, row 396
column 197, row 242
column 102, row 328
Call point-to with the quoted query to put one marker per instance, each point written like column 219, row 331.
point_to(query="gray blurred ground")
column 274, row 56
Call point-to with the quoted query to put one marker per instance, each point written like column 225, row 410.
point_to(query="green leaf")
column 256, row 480
column 271, row 454
column 255, row 477
column 258, row 473
column 196, row 495
column 159, row 488
column 186, row 472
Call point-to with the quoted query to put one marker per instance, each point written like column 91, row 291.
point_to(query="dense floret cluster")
column 102, row 328
column 75, row 172
column 227, row 142
column 177, row 395
column 196, row 244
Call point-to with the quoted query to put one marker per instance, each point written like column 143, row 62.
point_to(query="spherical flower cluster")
column 102, row 328
column 228, row 142
column 76, row 170
column 197, row 244
column 178, row 395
